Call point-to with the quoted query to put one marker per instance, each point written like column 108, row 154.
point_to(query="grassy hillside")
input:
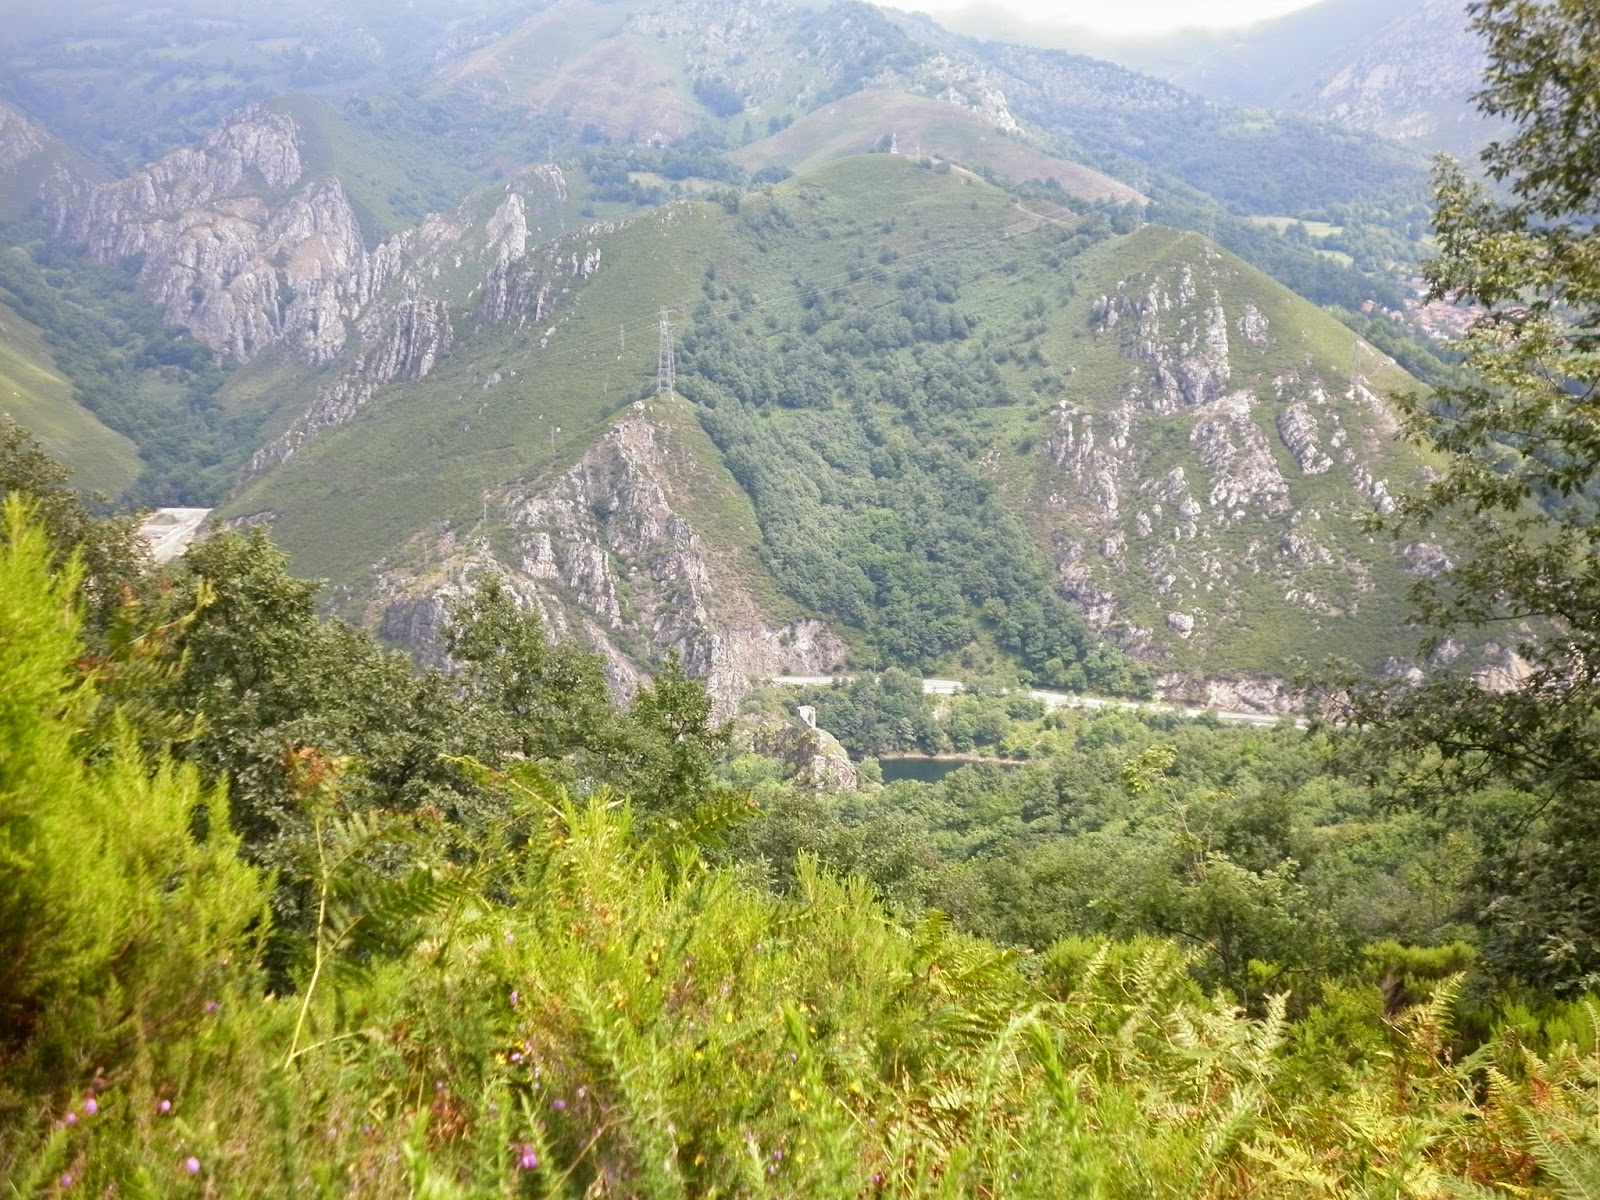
column 39, row 398
column 880, row 352
column 921, row 126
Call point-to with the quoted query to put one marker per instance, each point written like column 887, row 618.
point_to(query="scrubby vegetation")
column 282, row 914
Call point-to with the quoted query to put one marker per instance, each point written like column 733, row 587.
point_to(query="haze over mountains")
column 1405, row 69
column 983, row 356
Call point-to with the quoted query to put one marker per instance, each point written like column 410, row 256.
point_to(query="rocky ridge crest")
column 247, row 252
column 604, row 554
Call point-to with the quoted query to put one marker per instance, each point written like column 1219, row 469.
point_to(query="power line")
column 666, row 358
column 590, row 345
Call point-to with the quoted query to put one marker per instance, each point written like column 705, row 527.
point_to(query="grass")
column 1316, row 229
column 583, row 61
column 40, row 399
column 921, row 126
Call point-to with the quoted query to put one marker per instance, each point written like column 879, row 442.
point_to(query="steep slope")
column 1206, row 472
column 34, row 393
column 929, row 411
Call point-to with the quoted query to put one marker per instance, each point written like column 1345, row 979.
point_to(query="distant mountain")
column 1413, row 79
column 1404, row 69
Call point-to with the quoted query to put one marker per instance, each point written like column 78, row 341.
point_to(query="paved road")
column 170, row 530
column 949, row 687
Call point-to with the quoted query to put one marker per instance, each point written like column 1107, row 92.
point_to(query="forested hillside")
column 399, row 313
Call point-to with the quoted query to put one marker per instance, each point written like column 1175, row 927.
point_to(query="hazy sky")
column 1121, row 16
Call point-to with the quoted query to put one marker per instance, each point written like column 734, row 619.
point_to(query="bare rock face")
column 230, row 252
column 814, row 756
column 1189, row 357
column 1253, row 326
column 1267, row 697
column 1244, row 473
column 1092, row 460
column 1300, row 434
column 604, row 553
column 19, row 140
column 244, row 252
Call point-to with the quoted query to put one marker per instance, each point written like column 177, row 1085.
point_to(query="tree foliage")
column 547, row 990
column 1515, row 498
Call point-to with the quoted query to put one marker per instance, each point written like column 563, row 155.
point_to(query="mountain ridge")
column 904, row 370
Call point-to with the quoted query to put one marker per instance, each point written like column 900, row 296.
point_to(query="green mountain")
column 940, row 395
column 908, row 411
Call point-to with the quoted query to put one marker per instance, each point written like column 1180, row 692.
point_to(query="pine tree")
column 122, row 898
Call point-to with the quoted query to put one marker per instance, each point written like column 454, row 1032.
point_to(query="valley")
column 1173, row 451
column 788, row 598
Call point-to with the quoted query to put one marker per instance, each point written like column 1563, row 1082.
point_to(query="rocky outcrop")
column 1191, row 367
column 19, row 139
column 604, row 552
column 1254, row 326
column 241, row 249
column 813, row 756
column 1244, row 474
column 1300, row 434
column 1092, row 460
column 1248, row 694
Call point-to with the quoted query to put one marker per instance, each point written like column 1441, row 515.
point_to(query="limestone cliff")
column 1214, row 499
column 20, row 140
column 242, row 248
column 604, row 551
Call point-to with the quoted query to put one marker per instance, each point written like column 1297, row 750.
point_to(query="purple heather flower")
column 70, row 1119
column 66, row 1181
column 527, row 1159
column 164, row 1107
column 516, row 1056
column 778, row 1154
column 192, row 1165
column 558, row 1104
column 212, row 1006
column 91, row 1106
column 514, row 997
